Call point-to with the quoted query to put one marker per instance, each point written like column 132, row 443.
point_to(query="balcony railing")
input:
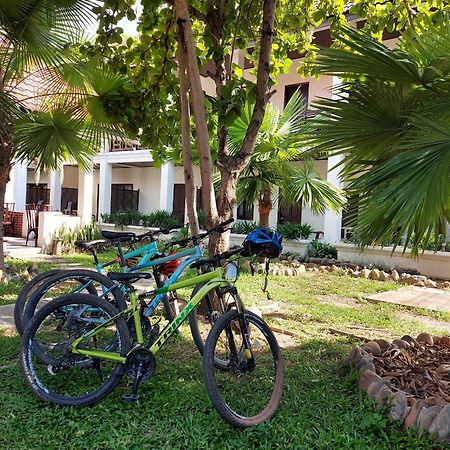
column 124, row 146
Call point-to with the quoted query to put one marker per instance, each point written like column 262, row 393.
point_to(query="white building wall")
column 146, row 179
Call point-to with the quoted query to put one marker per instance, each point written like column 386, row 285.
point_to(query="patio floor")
column 16, row 247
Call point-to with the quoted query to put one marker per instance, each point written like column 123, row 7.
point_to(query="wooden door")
column 179, row 202
column 289, row 213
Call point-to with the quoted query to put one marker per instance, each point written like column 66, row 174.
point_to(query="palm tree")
column 390, row 122
column 52, row 106
column 280, row 142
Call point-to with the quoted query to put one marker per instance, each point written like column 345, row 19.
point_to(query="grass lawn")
column 322, row 407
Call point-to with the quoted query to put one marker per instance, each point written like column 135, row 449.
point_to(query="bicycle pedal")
column 130, row 398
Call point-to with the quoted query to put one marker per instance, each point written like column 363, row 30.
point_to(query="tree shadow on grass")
column 322, row 408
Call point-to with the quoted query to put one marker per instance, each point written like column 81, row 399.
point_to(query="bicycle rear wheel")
column 71, row 379
column 203, row 317
column 72, row 281
column 249, row 392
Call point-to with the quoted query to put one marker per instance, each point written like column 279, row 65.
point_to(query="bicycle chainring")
column 140, row 357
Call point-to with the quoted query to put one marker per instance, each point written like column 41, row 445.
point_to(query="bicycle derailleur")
column 140, row 366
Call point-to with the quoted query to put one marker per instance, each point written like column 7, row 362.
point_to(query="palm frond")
column 36, row 32
column 390, row 121
column 306, row 185
column 52, row 137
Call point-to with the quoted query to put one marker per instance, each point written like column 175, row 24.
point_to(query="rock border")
column 424, row 414
column 293, row 266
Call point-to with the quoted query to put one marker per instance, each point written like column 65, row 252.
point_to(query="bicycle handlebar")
column 220, row 228
column 215, row 261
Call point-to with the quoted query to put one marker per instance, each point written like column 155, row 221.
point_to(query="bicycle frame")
column 148, row 251
column 212, row 281
column 192, row 254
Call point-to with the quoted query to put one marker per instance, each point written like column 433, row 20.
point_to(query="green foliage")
column 374, row 423
column 322, row 250
column 183, row 233
column 158, row 219
column 280, row 142
column 390, row 122
column 68, row 236
column 243, row 227
column 161, row 219
column 201, row 219
column 68, row 116
column 295, row 230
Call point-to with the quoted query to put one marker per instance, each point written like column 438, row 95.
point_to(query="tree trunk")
column 225, row 203
column 265, row 206
column 231, row 166
column 198, row 104
column 186, row 139
column 5, row 168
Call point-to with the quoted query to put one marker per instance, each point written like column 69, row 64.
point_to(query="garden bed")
column 410, row 377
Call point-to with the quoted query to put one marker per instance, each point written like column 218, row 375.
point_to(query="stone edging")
column 423, row 414
column 295, row 267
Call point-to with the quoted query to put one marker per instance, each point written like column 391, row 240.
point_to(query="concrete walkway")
column 16, row 248
column 416, row 297
column 7, row 316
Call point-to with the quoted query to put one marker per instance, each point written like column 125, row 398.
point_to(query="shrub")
column 201, row 219
column 243, row 227
column 322, row 250
column 162, row 219
column 68, row 236
column 295, row 230
column 157, row 219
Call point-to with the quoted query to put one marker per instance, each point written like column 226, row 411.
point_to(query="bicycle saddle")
column 118, row 236
column 128, row 277
column 89, row 244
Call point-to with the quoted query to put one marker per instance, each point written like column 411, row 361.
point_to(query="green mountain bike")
column 88, row 343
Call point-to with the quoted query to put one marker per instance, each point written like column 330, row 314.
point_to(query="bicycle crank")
column 140, row 365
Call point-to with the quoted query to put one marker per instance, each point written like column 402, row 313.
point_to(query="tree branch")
column 206, row 166
column 262, row 85
column 186, row 136
column 192, row 11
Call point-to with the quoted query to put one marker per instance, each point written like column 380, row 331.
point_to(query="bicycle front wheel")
column 71, row 379
column 26, row 293
column 249, row 391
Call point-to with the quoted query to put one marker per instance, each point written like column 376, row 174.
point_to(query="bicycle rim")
column 72, row 379
column 249, row 391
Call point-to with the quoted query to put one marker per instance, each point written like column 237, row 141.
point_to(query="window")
column 123, row 196
column 289, row 91
column 245, row 211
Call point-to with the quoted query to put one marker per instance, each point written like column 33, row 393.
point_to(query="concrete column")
column 55, row 190
column 273, row 216
column 85, row 195
column 332, row 220
column 104, row 190
column 16, row 189
column 166, row 187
